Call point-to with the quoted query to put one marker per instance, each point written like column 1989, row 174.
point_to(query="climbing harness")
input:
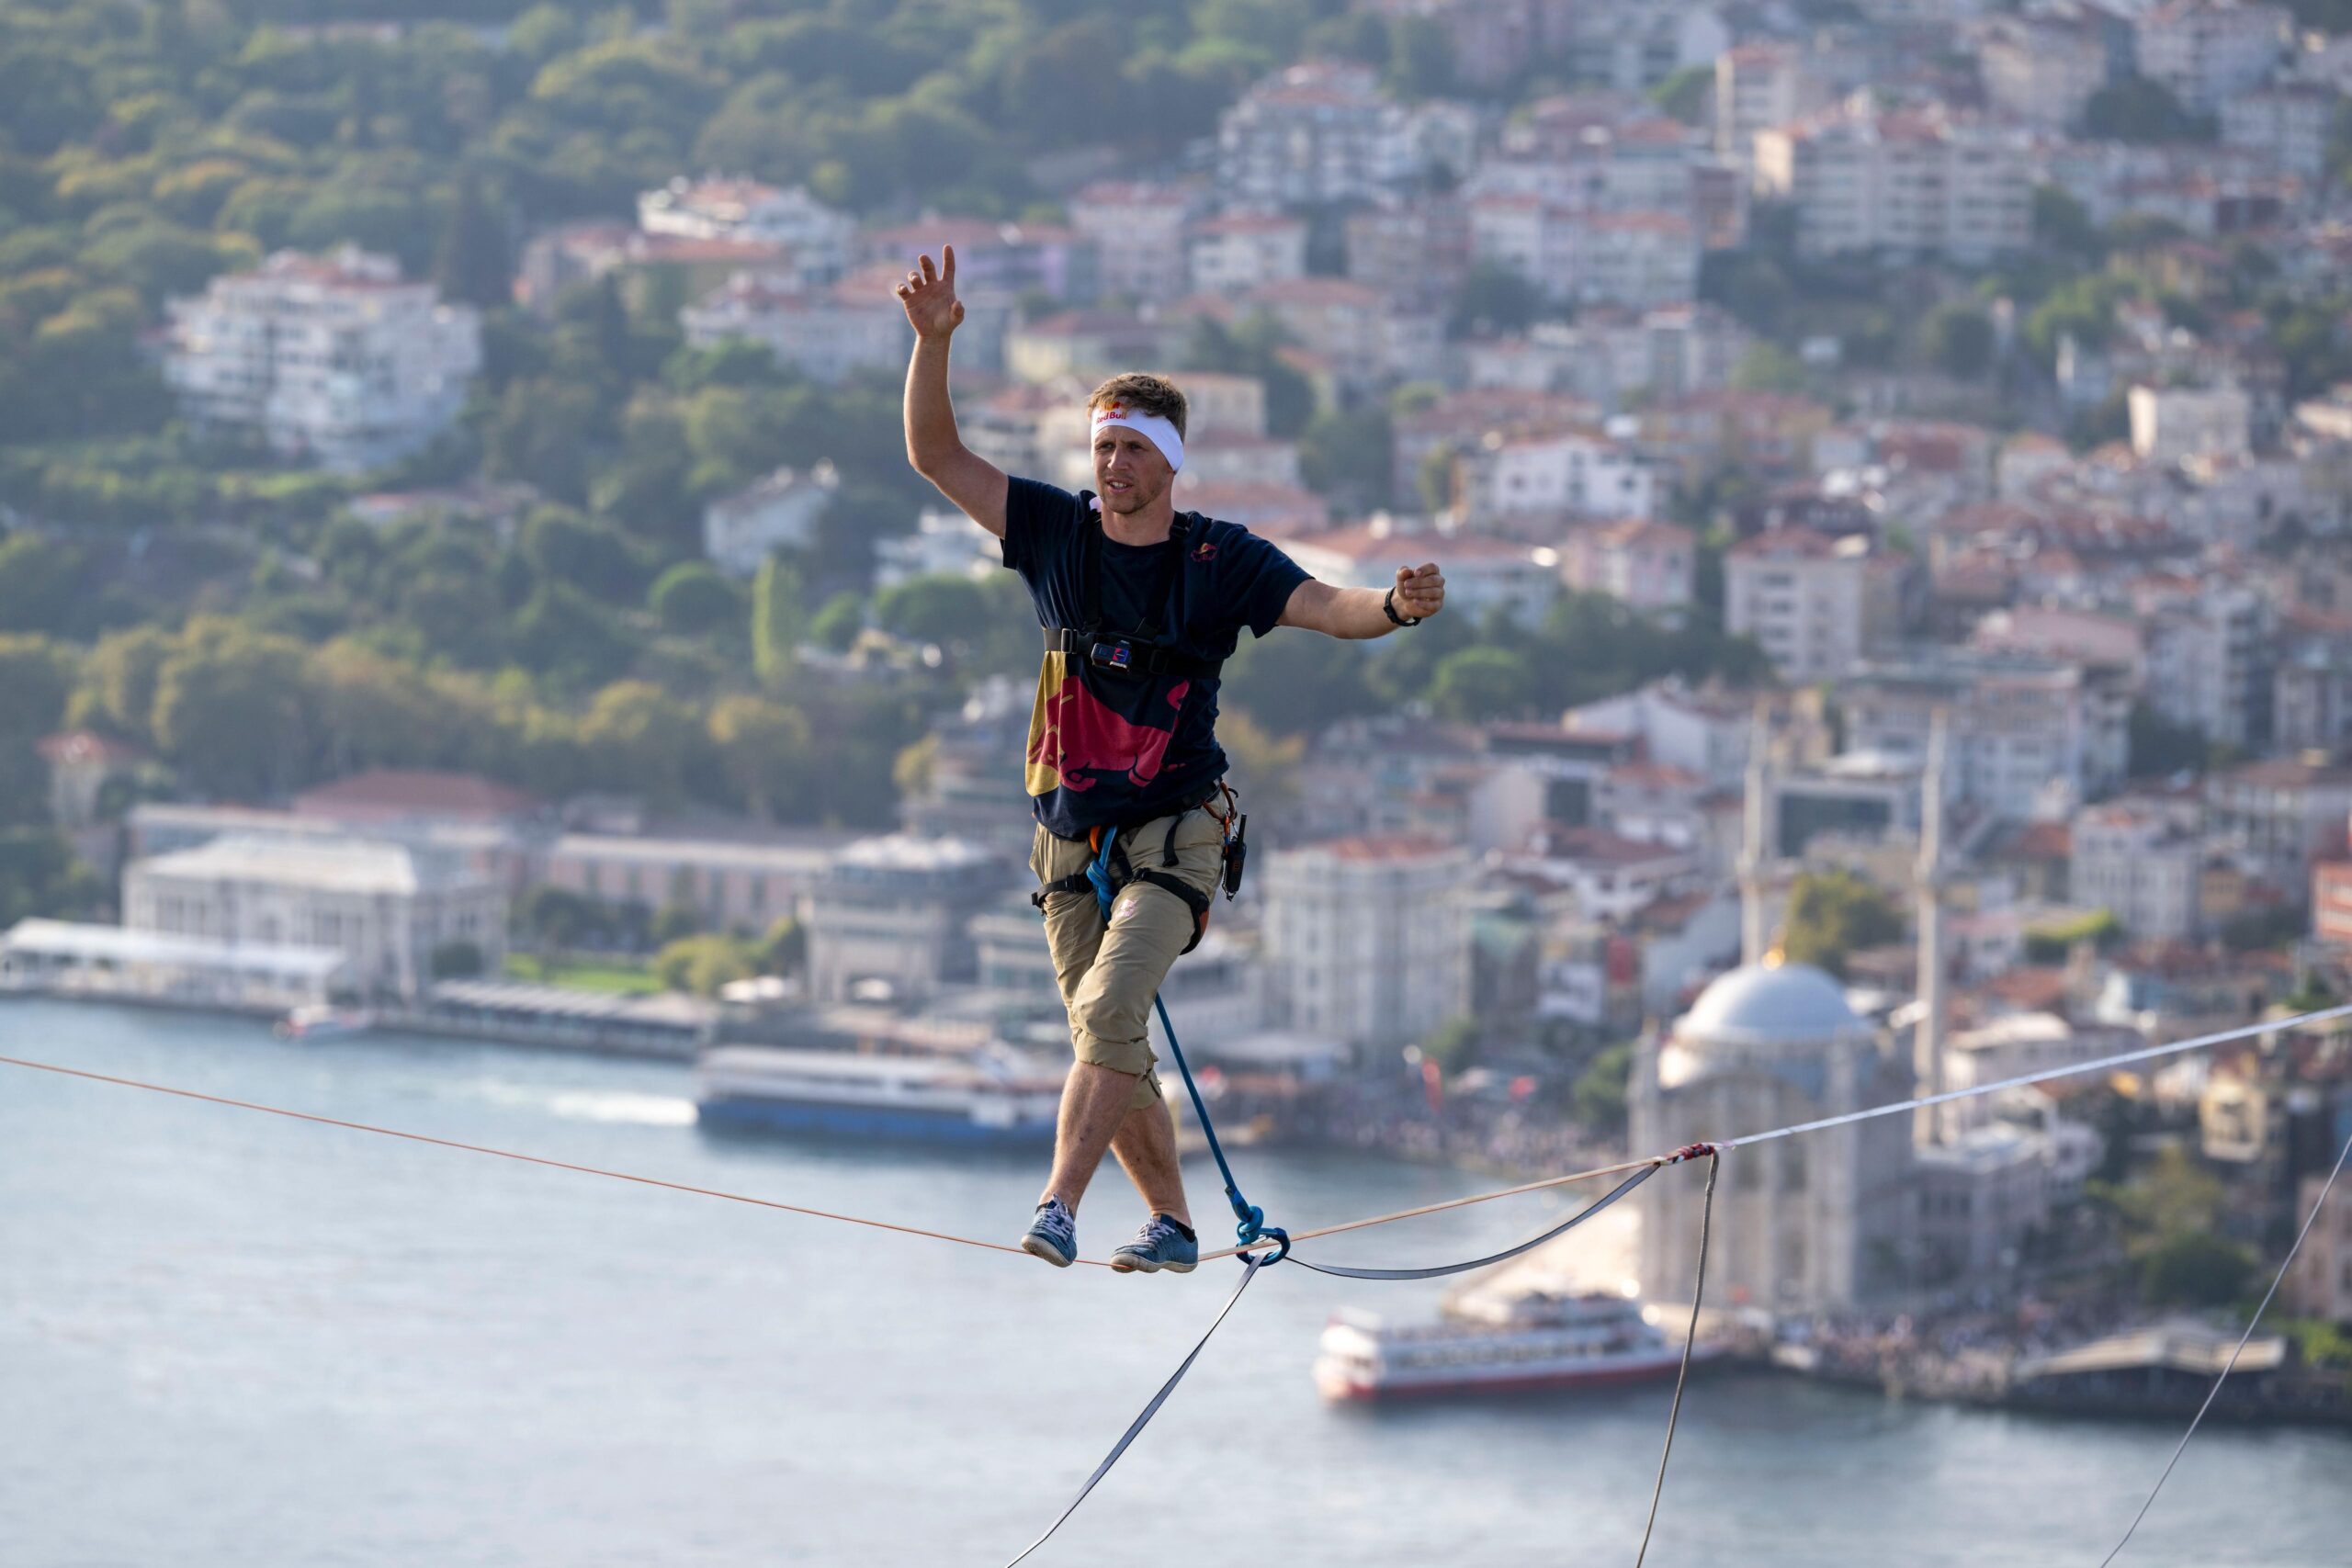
column 1106, row 873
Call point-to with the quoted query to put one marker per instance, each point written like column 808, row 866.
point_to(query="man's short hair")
column 1143, row 392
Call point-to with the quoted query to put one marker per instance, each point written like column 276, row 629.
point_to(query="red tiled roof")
column 404, row 792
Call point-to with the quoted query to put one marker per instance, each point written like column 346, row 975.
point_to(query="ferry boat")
column 324, row 1023
column 1489, row 1344
column 992, row 1098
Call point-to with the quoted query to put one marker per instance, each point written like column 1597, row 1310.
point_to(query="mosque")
column 1827, row 1220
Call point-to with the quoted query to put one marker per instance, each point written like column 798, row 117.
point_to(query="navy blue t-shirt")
column 1118, row 750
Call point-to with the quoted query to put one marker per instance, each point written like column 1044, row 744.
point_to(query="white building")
column 1816, row 604
column 1367, row 939
column 386, row 907
column 1313, row 133
column 1760, row 85
column 780, row 512
column 1137, row 232
column 2041, row 71
column 2171, row 424
column 729, row 885
column 1904, row 182
column 741, row 210
column 2208, row 52
column 333, row 359
column 1640, row 260
column 827, row 335
column 1647, row 563
column 891, row 918
column 2288, row 125
column 2212, row 646
column 2032, row 739
column 1244, row 250
column 1571, row 473
column 2142, row 862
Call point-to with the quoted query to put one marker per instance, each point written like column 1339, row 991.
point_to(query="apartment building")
column 1569, row 474
column 1816, row 604
column 893, row 915
column 1367, row 939
column 1136, row 230
column 1242, row 251
column 1314, row 133
column 2172, row 425
column 2041, row 71
column 818, row 236
column 740, row 531
column 1760, row 85
column 827, row 333
column 1908, row 182
column 2030, row 739
column 2209, row 52
column 2142, row 860
column 333, row 359
column 1647, row 563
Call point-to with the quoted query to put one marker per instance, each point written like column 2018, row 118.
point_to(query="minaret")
column 1928, row 1039
column 1755, row 846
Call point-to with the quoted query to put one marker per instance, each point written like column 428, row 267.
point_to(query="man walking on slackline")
column 1141, row 604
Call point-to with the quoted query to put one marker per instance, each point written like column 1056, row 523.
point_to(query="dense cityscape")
column 1892, row 465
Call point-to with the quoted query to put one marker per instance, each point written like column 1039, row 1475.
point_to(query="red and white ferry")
column 1489, row 1343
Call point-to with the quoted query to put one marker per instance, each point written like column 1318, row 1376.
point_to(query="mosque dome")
column 1759, row 1004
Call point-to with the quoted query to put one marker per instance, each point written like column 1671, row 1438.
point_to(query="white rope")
column 2121, row 1058
column 2213, row 1392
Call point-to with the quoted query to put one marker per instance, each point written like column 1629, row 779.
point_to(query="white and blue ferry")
column 989, row 1098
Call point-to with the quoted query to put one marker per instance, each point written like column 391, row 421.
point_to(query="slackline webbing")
column 1682, row 1372
column 1441, row 1270
column 1249, row 1267
column 2227, row 1367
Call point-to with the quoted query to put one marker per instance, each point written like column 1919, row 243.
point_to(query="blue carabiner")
column 1282, row 1249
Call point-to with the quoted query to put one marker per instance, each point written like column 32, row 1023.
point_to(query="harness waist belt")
column 1125, row 655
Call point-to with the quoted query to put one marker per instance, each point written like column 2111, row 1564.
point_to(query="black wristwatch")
column 1388, row 608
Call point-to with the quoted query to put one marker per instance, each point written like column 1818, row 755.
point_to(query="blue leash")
column 1250, row 1220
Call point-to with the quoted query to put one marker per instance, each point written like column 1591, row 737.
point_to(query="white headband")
column 1150, row 426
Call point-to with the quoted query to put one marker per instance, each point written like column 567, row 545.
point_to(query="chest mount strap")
column 1141, row 651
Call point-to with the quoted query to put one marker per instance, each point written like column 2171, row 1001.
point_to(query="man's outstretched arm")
column 976, row 485
column 1356, row 613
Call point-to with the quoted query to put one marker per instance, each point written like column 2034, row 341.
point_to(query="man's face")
column 1129, row 473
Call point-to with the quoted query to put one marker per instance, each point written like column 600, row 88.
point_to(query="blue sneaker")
column 1162, row 1244
column 1053, row 1235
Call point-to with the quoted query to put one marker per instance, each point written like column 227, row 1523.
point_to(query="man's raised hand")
column 1420, row 591
column 929, row 295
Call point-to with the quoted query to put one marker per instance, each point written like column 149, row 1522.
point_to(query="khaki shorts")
column 1109, row 977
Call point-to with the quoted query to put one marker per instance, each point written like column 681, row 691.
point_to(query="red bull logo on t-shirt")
column 1074, row 735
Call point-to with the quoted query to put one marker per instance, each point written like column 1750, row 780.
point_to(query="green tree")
column 563, row 634
column 40, row 877
column 775, row 621
column 37, row 581
column 643, row 739
column 949, row 611
column 1958, row 340
column 1345, row 458
column 1832, row 914
column 1479, row 684
column 586, row 553
column 472, row 263
column 2137, row 109
column 765, row 751
column 692, row 598
column 1493, row 300
column 1600, row 1090
column 838, row 625
column 1686, row 93
column 2195, row 1269
column 702, row 964
column 229, row 711
column 1452, row 1044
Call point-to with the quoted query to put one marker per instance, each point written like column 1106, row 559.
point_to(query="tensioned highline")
column 1253, row 1262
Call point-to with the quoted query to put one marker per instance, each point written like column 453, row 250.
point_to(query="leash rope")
column 1440, row 1271
column 1682, row 1373
column 1250, row 1220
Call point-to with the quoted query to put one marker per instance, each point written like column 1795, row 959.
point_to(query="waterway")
column 229, row 1339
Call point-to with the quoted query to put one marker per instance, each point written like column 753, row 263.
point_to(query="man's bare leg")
column 1094, row 1101
column 1146, row 1144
